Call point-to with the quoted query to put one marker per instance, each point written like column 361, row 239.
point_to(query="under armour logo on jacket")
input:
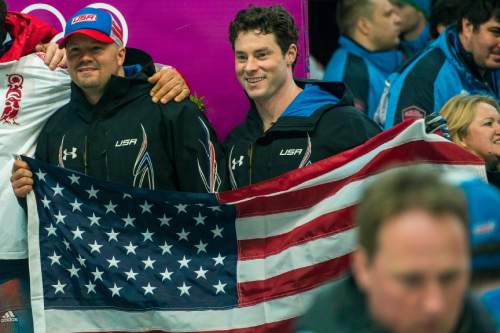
column 72, row 153
column 239, row 162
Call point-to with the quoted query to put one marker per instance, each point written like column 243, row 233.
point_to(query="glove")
column 435, row 123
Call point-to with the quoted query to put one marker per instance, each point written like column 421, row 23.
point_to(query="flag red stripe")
column 117, row 30
column 292, row 282
column 435, row 152
column 325, row 225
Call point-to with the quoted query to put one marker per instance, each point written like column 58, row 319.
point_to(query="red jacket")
column 26, row 31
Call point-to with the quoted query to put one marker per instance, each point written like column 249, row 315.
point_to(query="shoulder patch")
column 412, row 112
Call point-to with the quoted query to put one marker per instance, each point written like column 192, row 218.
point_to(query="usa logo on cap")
column 94, row 23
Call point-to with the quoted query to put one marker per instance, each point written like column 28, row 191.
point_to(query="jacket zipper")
column 250, row 156
column 85, row 149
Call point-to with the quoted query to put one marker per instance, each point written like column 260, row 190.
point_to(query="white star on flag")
column 112, row 235
column 200, row 219
column 90, row 288
column 184, row 262
column 54, row 259
column 148, row 263
column 184, row 289
column 115, row 290
column 183, row 234
column 95, row 247
column 110, row 207
column 130, row 248
column 219, row 260
column 166, row 275
column 57, row 190
column 131, row 274
column 128, row 221
column 74, row 179
column 73, row 271
column 219, row 288
column 113, row 262
column 148, row 289
column 202, row 247
column 41, row 175
column 217, row 231
column 201, row 273
column 77, row 233
column 60, row 218
column 94, row 219
column 59, row 287
column 181, row 208
column 165, row 248
column 92, row 192
column 147, row 235
column 51, row 230
column 97, row 274
column 146, row 207
column 45, row 201
column 76, row 205
column 164, row 220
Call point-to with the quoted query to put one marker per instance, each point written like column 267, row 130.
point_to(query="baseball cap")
column 94, row 23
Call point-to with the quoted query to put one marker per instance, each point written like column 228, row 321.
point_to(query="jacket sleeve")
column 197, row 157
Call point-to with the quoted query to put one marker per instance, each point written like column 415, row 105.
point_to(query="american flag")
column 109, row 258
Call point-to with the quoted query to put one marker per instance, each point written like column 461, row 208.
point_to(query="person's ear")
column 467, row 28
column 361, row 268
column 121, row 55
column 363, row 25
column 291, row 54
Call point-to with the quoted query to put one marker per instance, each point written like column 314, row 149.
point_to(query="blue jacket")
column 442, row 70
column 363, row 71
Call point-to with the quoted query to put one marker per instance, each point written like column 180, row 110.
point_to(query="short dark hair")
column 268, row 20
column 445, row 12
column 479, row 11
column 403, row 190
column 349, row 11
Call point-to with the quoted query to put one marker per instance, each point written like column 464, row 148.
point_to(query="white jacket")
column 29, row 94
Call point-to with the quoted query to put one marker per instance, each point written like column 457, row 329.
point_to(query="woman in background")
column 474, row 123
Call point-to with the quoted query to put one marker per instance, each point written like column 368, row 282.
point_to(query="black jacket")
column 343, row 308
column 126, row 138
column 319, row 123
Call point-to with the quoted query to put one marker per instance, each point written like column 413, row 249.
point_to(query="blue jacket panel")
column 363, row 71
column 427, row 82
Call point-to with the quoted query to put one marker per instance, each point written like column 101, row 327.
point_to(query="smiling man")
column 290, row 124
column 112, row 130
column 465, row 58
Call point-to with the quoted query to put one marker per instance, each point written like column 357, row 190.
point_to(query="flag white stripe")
column 298, row 256
column 67, row 320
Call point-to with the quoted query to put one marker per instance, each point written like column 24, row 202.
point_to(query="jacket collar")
column 119, row 91
column 386, row 61
column 302, row 124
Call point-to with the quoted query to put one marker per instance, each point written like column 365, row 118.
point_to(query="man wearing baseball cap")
column 112, row 130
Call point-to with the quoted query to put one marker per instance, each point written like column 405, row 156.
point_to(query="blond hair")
column 459, row 112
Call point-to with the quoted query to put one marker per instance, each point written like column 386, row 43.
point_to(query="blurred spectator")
column 289, row 124
column 411, row 269
column 474, row 123
column 465, row 58
column 367, row 51
column 415, row 32
column 443, row 14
